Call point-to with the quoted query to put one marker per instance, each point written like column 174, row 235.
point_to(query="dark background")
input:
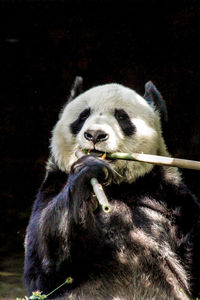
column 45, row 44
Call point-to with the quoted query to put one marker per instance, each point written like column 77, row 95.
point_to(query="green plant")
column 182, row 291
column 37, row 295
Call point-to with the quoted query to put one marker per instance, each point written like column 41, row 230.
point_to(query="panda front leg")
column 59, row 230
column 69, row 215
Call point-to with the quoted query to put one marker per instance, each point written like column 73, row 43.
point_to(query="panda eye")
column 124, row 122
column 78, row 123
column 84, row 115
column 121, row 115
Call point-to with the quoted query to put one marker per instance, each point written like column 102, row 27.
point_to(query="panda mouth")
column 96, row 153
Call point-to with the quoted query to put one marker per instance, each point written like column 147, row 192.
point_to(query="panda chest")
column 139, row 241
column 136, row 230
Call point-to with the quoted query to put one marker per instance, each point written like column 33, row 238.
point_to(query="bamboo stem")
column 97, row 188
column 157, row 160
column 99, row 192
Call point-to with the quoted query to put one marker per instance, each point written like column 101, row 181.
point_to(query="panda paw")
column 80, row 189
column 88, row 167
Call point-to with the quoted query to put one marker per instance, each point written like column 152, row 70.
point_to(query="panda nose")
column 96, row 136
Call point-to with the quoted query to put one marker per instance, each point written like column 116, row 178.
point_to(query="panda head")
column 110, row 118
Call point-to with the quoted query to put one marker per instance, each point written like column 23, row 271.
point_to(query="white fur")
column 103, row 100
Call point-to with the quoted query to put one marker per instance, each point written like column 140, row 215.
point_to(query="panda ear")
column 77, row 88
column 154, row 97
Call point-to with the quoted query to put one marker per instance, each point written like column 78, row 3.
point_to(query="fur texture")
column 147, row 247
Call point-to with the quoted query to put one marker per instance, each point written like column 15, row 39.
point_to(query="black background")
column 45, row 44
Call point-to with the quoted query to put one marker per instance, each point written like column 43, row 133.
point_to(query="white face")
column 109, row 118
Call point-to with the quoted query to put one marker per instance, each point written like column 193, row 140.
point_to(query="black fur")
column 78, row 124
column 124, row 122
column 66, row 236
column 153, row 96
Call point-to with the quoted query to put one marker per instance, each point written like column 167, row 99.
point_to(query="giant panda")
column 147, row 246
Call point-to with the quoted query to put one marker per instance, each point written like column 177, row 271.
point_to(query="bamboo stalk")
column 97, row 188
column 157, row 160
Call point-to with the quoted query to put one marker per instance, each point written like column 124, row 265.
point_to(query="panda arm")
column 186, row 209
column 191, row 229
column 59, row 218
column 195, row 280
column 37, row 261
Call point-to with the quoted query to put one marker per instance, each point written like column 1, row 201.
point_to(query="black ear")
column 77, row 88
column 154, row 97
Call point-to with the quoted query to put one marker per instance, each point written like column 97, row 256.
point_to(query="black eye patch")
column 124, row 122
column 79, row 122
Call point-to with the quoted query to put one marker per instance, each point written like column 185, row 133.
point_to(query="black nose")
column 96, row 136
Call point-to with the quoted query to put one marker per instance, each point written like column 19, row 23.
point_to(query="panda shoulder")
column 54, row 180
